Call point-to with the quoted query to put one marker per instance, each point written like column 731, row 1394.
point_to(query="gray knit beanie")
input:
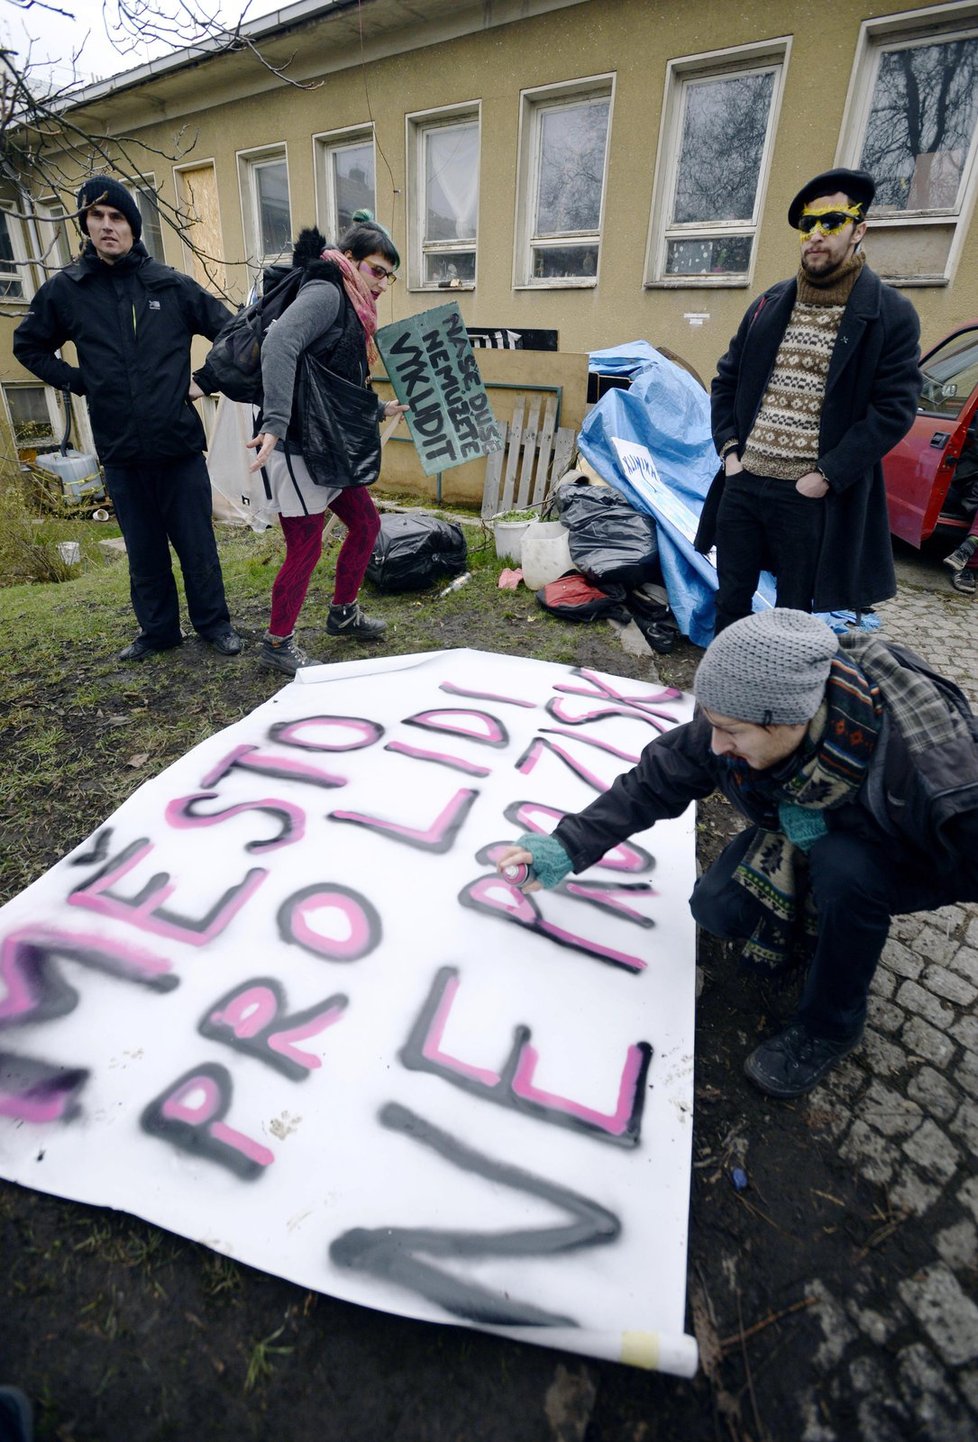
column 769, row 668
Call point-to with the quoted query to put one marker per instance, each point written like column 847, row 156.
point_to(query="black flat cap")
column 859, row 185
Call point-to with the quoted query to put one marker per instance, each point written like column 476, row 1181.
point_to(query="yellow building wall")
column 630, row 39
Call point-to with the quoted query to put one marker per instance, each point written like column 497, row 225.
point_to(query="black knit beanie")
column 103, row 190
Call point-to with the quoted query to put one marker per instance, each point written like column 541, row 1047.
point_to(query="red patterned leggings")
column 304, row 546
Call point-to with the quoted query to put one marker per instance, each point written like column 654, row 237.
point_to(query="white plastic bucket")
column 545, row 553
column 70, row 552
column 509, row 536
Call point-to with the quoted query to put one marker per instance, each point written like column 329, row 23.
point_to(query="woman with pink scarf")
column 333, row 320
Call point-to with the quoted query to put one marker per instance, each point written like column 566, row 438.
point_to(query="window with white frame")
column 444, row 181
column 912, row 121
column 264, row 176
column 344, row 178
column 15, row 283
column 563, row 164
column 55, row 236
column 35, row 417
column 719, row 119
column 144, row 193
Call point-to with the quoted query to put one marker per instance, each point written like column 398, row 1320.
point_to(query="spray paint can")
column 519, row 874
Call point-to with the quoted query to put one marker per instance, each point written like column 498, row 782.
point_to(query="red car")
column 919, row 471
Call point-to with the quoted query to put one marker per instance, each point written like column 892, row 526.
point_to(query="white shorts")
column 296, row 494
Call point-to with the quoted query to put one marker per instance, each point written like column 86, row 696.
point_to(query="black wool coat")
column 871, row 396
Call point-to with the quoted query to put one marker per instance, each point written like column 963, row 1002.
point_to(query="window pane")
column 451, row 182
column 10, row 282
column 272, row 186
column 453, row 265
column 572, row 149
column 565, row 262
column 720, row 255
column 950, row 376
column 29, row 413
column 145, row 197
column 353, row 182
column 56, row 239
column 921, row 124
column 724, row 128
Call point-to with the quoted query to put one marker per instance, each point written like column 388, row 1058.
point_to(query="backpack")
column 235, row 357
column 574, row 598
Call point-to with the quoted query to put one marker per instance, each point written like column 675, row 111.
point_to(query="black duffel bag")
column 414, row 550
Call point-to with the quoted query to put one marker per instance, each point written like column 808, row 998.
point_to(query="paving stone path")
column 903, row 1111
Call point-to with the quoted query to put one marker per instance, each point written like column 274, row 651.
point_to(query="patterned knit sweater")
column 784, row 440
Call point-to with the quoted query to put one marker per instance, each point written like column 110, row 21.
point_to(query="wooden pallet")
column 536, row 453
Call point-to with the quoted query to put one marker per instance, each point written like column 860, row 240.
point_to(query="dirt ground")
column 124, row 1333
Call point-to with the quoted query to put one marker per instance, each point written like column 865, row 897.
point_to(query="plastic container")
column 78, row 473
column 509, row 539
column 70, row 552
column 545, row 553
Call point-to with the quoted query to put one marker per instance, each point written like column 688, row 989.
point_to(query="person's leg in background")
column 794, row 527
column 740, row 548
column 152, row 587
column 963, row 562
column 303, row 548
column 355, row 508
column 183, row 489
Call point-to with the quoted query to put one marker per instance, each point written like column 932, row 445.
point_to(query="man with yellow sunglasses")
column 819, row 383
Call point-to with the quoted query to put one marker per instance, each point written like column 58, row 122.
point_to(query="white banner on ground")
column 281, row 1003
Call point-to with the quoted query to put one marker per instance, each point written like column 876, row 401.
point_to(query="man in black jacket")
column 820, row 381
column 132, row 321
column 856, row 768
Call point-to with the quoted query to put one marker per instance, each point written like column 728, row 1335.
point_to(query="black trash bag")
column 574, row 598
column 416, row 550
column 609, row 540
column 340, row 427
column 650, row 610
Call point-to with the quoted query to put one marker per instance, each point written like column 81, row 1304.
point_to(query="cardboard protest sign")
column 282, row 1003
column 432, row 368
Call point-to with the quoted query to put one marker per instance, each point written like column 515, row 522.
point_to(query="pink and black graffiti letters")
column 513, row 1085
column 146, row 909
column 610, row 896
column 293, row 733
column 281, row 768
column 439, row 758
column 438, row 837
column 453, row 690
column 182, row 813
column 356, row 929
column 477, row 726
column 399, row 1254
column 252, row 1019
column 36, row 1091
column 495, row 896
column 34, row 990
column 533, row 816
column 190, row 1116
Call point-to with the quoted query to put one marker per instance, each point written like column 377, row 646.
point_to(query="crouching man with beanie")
column 132, row 321
column 856, row 769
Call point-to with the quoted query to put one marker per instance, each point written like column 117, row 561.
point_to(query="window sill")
column 440, row 289
column 904, row 282
column 698, row 282
column 581, row 282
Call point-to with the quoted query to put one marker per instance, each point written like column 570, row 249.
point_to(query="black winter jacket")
column 871, row 396
column 132, row 324
column 926, row 807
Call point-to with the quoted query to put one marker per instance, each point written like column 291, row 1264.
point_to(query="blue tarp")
column 654, row 445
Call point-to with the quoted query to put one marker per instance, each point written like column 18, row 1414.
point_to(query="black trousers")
column 765, row 524
column 158, row 503
column 860, row 880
